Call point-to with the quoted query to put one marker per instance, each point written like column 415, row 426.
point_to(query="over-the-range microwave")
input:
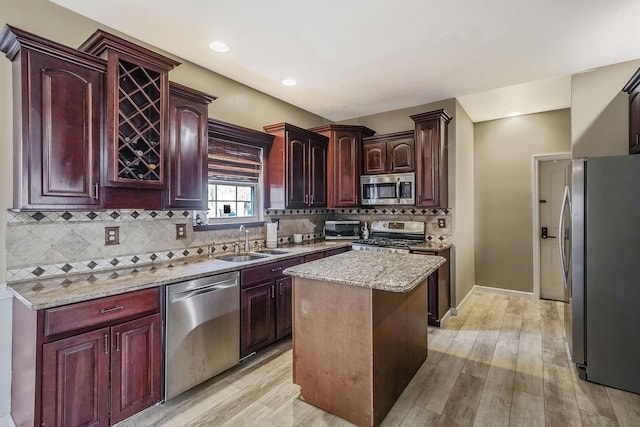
column 388, row 189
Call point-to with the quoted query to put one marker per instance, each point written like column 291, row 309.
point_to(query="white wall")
column 461, row 188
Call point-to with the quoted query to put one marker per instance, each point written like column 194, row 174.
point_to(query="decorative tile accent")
column 153, row 257
column 67, row 216
column 38, row 216
column 66, row 268
column 135, row 259
column 92, row 215
column 114, row 215
column 115, row 262
column 92, row 265
column 135, row 214
column 38, row 271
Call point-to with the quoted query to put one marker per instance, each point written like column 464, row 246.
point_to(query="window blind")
column 231, row 161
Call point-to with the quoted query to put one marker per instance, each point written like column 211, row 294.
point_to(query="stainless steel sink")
column 241, row 257
column 272, row 251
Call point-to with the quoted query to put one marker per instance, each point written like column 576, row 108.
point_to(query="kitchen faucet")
column 246, row 238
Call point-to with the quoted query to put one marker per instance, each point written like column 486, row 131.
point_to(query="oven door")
column 393, row 189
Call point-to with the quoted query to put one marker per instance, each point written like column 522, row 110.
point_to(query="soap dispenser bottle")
column 365, row 231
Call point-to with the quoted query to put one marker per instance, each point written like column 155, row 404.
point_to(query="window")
column 234, row 182
column 228, row 200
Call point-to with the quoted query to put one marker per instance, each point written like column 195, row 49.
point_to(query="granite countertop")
column 430, row 246
column 53, row 292
column 394, row 272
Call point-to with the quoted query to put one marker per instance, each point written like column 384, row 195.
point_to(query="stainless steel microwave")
column 342, row 230
column 389, row 189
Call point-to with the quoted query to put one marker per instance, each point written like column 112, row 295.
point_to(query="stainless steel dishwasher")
column 202, row 330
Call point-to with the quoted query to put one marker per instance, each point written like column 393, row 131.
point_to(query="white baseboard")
column 501, row 291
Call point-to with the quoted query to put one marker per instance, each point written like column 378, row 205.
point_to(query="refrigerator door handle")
column 566, row 203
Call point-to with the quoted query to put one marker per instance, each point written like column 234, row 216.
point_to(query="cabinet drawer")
column 313, row 257
column 96, row 312
column 267, row 271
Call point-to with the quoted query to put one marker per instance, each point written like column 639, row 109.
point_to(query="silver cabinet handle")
column 398, row 189
column 106, row 344
column 273, row 270
column 117, row 341
column 306, row 198
column 280, row 289
column 110, row 310
column 312, row 199
column 272, row 291
column 96, row 194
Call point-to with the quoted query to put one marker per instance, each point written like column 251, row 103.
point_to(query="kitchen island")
column 359, row 330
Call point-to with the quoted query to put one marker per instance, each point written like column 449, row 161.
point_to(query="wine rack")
column 139, row 123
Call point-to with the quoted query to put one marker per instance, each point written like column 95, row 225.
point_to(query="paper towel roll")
column 272, row 234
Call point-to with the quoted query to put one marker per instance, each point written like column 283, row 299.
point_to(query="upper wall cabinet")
column 57, row 104
column 296, row 168
column 432, row 158
column 187, row 151
column 389, row 153
column 633, row 89
column 344, row 160
column 136, row 121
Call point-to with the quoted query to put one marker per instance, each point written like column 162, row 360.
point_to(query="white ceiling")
column 357, row 57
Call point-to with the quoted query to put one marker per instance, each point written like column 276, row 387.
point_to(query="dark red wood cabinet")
column 431, row 151
column 296, row 168
column 438, row 292
column 187, row 149
column 266, row 301
column 344, row 160
column 389, row 153
column 137, row 98
column 103, row 370
column 58, row 121
column 633, row 89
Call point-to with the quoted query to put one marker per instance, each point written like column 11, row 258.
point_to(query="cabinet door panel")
column 188, row 154
column 318, row 174
column 401, row 155
column 75, row 380
column 257, row 319
column 634, row 122
column 135, row 376
column 346, row 179
column 375, row 158
column 427, row 176
column 297, row 194
column 284, row 307
column 65, row 121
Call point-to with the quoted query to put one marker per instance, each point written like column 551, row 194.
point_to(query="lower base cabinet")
column 266, row 301
column 439, row 293
column 100, row 361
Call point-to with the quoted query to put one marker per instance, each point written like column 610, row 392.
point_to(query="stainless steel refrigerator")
column 600, row 251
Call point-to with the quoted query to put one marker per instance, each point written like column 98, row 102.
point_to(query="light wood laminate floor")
column 501, row 362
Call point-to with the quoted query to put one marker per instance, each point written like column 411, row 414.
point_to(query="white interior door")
column 551, row 189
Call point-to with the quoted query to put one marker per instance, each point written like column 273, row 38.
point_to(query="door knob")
column 545, row 234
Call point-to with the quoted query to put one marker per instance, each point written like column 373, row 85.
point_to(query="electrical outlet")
column 181, row 231
column 111, row 236
column 442, row 223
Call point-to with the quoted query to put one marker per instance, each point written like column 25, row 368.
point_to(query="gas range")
column 392, row 236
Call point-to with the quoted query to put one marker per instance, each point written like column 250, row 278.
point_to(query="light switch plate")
column 442, row 223
column 181, row 231
column 111, row 236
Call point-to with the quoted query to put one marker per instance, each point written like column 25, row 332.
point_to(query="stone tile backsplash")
column 47, row 244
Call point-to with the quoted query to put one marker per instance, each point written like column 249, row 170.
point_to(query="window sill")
column 227, row 226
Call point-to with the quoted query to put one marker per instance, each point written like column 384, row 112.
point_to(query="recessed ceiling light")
column 219, row 46
column 515, row 113
column 289, row 82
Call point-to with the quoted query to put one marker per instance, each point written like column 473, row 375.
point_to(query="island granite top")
column 394, row 272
